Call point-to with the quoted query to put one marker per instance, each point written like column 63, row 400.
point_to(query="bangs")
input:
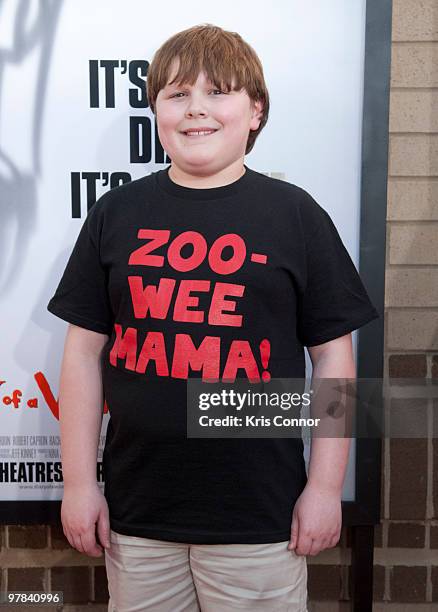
column 227, row 62
column 219, row 73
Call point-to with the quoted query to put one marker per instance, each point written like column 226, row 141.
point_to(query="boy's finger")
column 304, row 545
column 316, row 547
column 294, row 533
column 89, row 544
column 103, row 531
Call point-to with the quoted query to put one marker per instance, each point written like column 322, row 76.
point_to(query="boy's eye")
column 182, row 93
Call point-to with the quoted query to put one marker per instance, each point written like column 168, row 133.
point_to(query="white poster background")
column 313, row 57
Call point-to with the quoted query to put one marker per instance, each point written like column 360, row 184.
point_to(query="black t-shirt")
column 194, row 282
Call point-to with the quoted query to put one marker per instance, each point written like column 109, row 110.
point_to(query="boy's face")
column 232, row 115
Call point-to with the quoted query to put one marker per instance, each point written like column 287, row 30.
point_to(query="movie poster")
column 75, row 122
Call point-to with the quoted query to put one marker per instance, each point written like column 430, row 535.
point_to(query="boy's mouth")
column 198, row 133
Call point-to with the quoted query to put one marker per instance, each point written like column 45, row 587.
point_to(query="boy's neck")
column 201, row 180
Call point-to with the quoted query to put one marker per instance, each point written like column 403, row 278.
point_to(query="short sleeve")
column 333, row 301
column 82, row 297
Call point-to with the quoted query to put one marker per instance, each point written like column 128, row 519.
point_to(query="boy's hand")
column 83, row 509
column 316, row 521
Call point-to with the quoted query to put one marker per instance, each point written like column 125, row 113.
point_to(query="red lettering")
column 124, row 347
column 155, row 349
column 228, row 266
column 240, row 356
column 197, row 241
column 141, row 257
column 184, row 299
column 216, row 316
column 149, row 298
column 205, row 357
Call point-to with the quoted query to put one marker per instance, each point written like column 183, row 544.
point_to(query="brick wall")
column 408, row 557
column 406, row 542
column 39, row 557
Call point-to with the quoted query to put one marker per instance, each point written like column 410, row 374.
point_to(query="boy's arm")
column 329, row 456
column 80, row 405
column 84, row 507
column 317, row 515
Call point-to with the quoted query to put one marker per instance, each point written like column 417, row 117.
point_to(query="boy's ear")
column 257, row 113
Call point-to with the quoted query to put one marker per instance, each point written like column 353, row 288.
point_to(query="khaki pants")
column 160, row 576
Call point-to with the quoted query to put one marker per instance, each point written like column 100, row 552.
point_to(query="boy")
column 189, row 272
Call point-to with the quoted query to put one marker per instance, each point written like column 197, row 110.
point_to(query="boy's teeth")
column 199, row 133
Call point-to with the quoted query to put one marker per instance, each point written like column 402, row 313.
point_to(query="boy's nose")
column 196, row 106
column 196, row 113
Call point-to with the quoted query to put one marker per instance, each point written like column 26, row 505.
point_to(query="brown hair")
column 222, row 55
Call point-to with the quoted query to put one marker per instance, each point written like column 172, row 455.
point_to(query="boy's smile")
column 198, row 133
column 204, row 130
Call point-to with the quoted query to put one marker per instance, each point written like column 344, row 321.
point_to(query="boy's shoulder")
column 126, row 191
column 120, row 199
column 291, row 194
column 275, row 183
